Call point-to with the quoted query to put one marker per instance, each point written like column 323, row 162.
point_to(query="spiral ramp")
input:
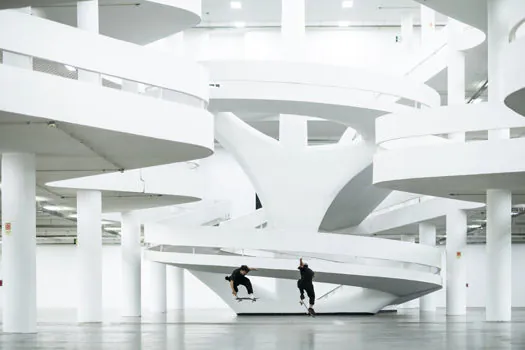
column 147, row 108
column 461, row 170
column 354, row 274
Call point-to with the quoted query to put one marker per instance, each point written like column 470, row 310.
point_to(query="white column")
column 497, row 39
column 87, row 19
column 428, row 24
column 499, row 202
column 89, row 253
column 293, row 21
column 131, row 265
column 407, row 31
column 293, row 131
column 499, row 253
column 158, row 287
column 427, row 236
column 456, row 264
column 176, row 284
column 18, row 243
column 412, row 304
column 455, row 73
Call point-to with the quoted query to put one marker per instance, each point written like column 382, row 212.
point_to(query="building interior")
column 155, row 151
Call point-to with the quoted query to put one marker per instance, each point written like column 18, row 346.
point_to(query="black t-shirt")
column 307, row 275
column 236, row 275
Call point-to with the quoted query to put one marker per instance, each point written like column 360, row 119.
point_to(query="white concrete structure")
column 124, row 115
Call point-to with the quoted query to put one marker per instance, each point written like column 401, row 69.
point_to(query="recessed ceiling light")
column 343, row 24
column 236, row 5
column 239, row 24
column 347, row 4
column 41, row 199
column 70, row 68
column 474, row 226
column 57, row 208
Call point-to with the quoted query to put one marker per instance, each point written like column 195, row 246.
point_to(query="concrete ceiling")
column 325, row 12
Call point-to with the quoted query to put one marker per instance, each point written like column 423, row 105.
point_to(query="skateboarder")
column 305, row 283
column 238, row 277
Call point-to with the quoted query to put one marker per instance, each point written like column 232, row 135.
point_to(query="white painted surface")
column 18, row 243
column 427, row 236
column 89, row 255
column 158, row 287
column 56, row 274
column 456, row 229
column 499, row 255
column 131, row 265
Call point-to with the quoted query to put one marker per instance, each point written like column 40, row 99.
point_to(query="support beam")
column 18, row 243
column 499, row 256
column 89, row 251
column 427, row 236
column 456, row 264
column 131, row 265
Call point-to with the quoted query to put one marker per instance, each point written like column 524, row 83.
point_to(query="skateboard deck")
column 307, row 310
column 246, row 298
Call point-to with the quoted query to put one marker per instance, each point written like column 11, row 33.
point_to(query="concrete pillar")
column 89, row 253
column 499, row 202
column 158, row 287
column 428, row 24
column 18, row 243
column 497, row 39
column 455, row 73
column 407, row 31
column 176, row 283
column 499, row 254
column 412, row 304
column 293, row 131
column 427, row 236
column 131, row 265
column 456, row 264
column 88, row 20
column 293, row 21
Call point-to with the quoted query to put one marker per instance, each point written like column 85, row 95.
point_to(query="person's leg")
column 311, row 294
column 301, row 289
column 248, row 284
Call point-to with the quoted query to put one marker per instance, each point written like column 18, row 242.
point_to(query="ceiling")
column 318, row 12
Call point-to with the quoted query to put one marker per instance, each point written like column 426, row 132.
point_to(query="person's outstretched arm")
column 301, row 264
column 233, row 289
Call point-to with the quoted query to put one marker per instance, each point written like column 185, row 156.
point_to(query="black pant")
column 245, row 281
column 309, row 288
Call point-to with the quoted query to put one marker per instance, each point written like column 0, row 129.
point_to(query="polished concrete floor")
column 222, row 330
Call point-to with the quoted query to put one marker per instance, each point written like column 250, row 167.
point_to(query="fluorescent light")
column 239, row 24
column 41, row 199
column 474, row 226
column 73, row 216
column 236, row 5
column 477, row 100
column 70, row 68
column 347, row 4
column 115, row 229
column 105, row 222
column 57, row 208
column 343, row 24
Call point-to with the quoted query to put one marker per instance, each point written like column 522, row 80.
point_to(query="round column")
column 456, row 264
column 412, row 304
column 158, row 287
column 131, row 265
column 427, row 236
column 88, row 20
column 176, row 281
column 89, row 253
column 499, row 254
column 18, row 243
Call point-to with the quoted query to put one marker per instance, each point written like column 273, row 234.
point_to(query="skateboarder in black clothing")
column 238, row 277
column 305, row 283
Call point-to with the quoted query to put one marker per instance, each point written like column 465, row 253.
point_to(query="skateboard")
column 307, row 310
column 246, row 298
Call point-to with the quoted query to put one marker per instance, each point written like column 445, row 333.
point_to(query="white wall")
column 56, row 280
column 357, row 47
column 57, row 276
column 476, row 276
